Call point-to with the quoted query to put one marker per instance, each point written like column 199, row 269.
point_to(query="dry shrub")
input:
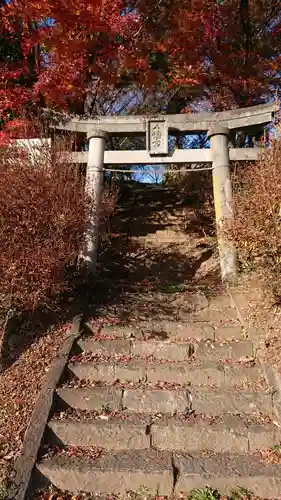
column 108, row 206
column 43, row 215
column 257, row 205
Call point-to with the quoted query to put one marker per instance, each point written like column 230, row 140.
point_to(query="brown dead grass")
column 19, row 387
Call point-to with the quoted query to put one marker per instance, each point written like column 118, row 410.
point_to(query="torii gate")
column 219, row 126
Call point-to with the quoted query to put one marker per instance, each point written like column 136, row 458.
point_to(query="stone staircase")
column 173, row 397
column 170, row 416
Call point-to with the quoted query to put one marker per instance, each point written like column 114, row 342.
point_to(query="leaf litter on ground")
column 20, row 384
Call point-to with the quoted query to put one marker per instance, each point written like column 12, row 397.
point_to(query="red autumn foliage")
column 43, row 214
column 55, row 54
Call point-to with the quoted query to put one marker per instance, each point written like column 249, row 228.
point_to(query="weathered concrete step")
column 171, row 351
column 167, row 329
column 105, row 347
column 110, row 371
column 206, row 373
column 156, row 401
column 211, row 402
column 216, row 317
column 160, row 350
column 228, row 434
column 226, row 472
column 111, row 434
column 174, row 330
column 234, row 350
column 92, row 398
column 118, row 473
column 154, row 470
column 218, row 402
column 113, row 399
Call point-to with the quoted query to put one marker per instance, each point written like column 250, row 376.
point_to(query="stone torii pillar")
column 94, row 188
column 219, row 138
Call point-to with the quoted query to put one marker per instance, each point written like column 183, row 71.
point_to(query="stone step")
column 162, row 329
column 161, row 473
column 90, row 398
column 226, row 472
column 206, row 373
column 216, row 317
column 156, row 401
column 227, row 434
column 167, row 350
column 105, row 347
column 160, row 350
column 111, row 434
column 122, row 332
column 211, row 402
column 175, row 330
column 171, row 351
column 110, row 371
column 118, row 473
column 234, row 350
column 218, row 402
